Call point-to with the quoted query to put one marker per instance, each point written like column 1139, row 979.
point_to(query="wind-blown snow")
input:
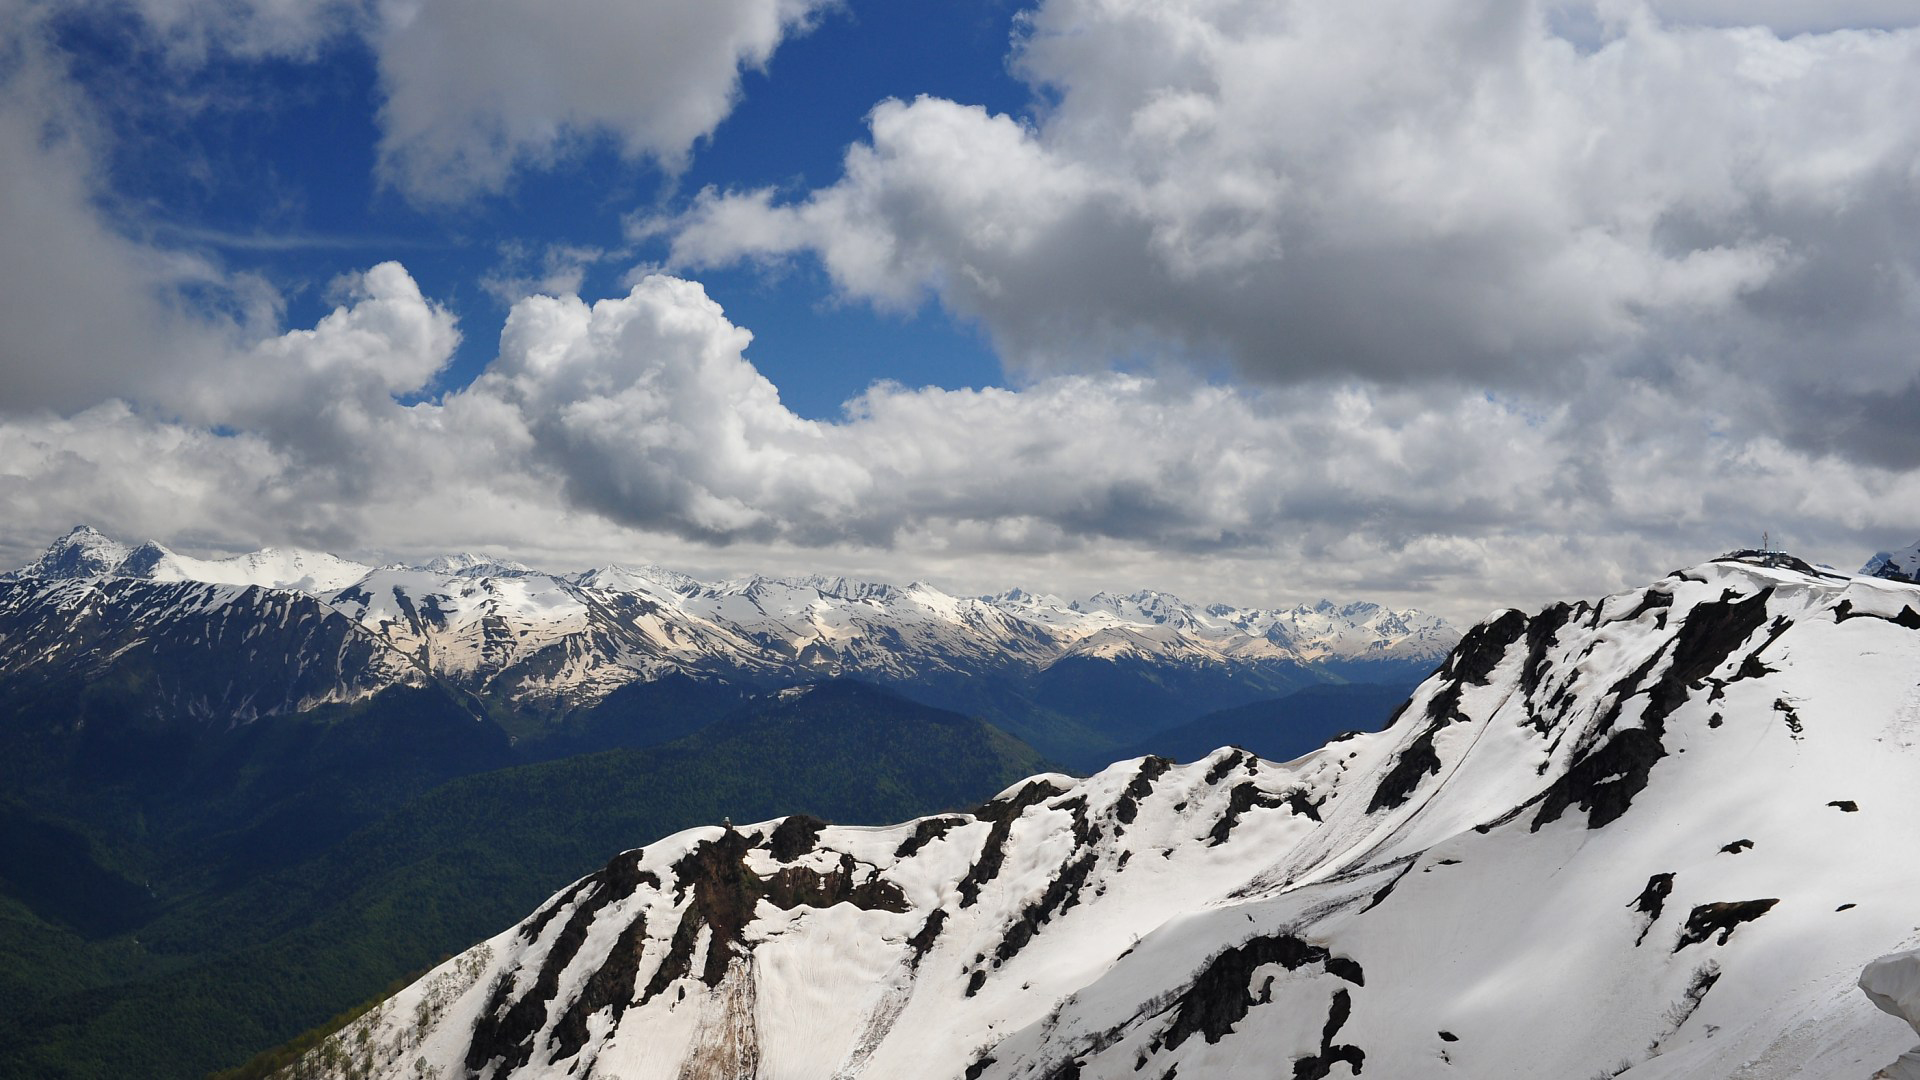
column 1651, row 837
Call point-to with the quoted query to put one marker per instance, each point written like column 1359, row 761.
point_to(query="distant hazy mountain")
column 1074, row 677
column 1657, row 836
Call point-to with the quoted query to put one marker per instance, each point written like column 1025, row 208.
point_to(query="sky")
column 1454, row 304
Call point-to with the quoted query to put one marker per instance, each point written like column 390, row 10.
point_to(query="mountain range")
column 238, row 795
column 1656, row 835
column 532, row 649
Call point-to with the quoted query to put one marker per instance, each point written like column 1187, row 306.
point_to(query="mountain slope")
column 210, row 982
column 1647, row 837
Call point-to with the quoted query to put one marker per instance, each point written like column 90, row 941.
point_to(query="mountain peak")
column 472, row 564
column 1902, row 565
column 82, row 553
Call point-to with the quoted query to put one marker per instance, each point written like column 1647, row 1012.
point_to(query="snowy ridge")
column 551, row 642
column 85, row 553
column 1902, row 565
column 215, row 652
column 1646, row 837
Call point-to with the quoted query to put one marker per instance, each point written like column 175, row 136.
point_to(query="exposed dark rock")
column 1794, row 727
column 1341, row 967
column 976, row 980
column 993, row 852
column 1776, row 559
column 1244, row 797
column 724, row 894
column 1651, row 901
column 1031, row 793
column 1225, row 765
column 922, row 940
column 1062, row 893
column 1128, row 806
column 678, row 963
column 1845, row 806
column 535, row 926
column 926, row 832
column 1483, row 647
column 979, row 1068
column 795, row 836
column 1708, row 919
column 1737, row 847
column 1471, row 662
column 1908, row 617
column 506, row 1031
column 1541, row 630
column 799, row 886
column 1844, row 907
column 1448, row 1036
column 1416, row 761
column 1605, row 781
column 1651, row 600
column 1219, row 996
column 610, row 987
column 1320, row 1065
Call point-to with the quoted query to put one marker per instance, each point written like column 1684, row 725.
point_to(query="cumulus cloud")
column 477, row 89
column 92, row 310
column 1526, row 313
column 87, row 312
column 637, row 427
column 1406, row 192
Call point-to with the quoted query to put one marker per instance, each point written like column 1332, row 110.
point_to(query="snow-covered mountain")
column 1902, row 565
column 1656, row 836
column 546, row 643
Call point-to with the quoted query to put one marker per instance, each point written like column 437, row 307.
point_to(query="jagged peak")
column 1902, row 565
column 473, row 564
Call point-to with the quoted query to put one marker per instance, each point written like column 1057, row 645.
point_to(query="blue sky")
column 271, row 167
column 1453, row 303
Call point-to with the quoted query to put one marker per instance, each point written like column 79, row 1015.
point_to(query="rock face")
column 1602, row 840
column 1903, row 565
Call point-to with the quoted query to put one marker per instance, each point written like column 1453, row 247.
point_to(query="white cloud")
column 475, row 90
column 1783, row 17
column 636, row 428
column 478, row 88
column 86, row 312
column 1684, row 260
column 1402, row 192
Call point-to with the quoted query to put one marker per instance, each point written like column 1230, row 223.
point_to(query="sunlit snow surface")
column 1656, row 837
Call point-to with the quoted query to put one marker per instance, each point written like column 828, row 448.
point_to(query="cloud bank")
column 1410, row 193
column 1454, row 304
column 638, row 422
